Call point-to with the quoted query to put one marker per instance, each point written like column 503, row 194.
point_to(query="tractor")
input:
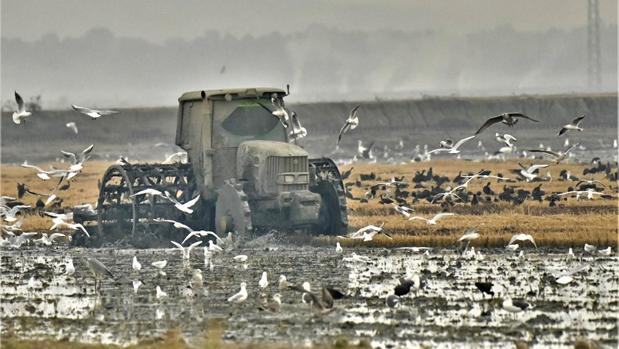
column 243, row 163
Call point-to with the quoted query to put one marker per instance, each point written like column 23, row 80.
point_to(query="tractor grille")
column 280, row 164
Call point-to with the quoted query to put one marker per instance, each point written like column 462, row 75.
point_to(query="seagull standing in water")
column 351, row 123
column 21, row 114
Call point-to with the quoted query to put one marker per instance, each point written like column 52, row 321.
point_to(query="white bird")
column 149, row 191
column 21, row 114
column 351, row 123
column 570, row 254
column 338, row 247
column 240, row 258
column 282, row 282
column 434, row 219
column 403, row 210
column 176, row 158
column 160, row 264
column 160, row 293
column 507, row 139
column 529, row 172
column 10, row 215
column 70, row 268
column 72, row 126
column 186, row 207
column 564, row 280
column 590, row 249
column 589, row 193
column 360, row 234
column 80, row 159
column 93, row 113
column 74, row 226
column 214, row 248
column 512, row 247
column 297, row 131
column 559, row 156
column 136, row 285
column 514, row 307
column 239, row 297
column 522, row 237
column 573, row 126
column 186, row 251
column 135, row 264
column 264, row 282
column 453, row 149
column 606, row 252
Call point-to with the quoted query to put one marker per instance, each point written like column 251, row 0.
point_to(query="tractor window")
column 249, row 120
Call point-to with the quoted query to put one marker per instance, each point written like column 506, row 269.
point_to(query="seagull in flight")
column 434, row 220
column 297, row 131
column 351, row 123
column 192, row 233
column 186, row 207
column 574, row 125
column 559, row 156
column 506, row 138
column 186, row 251
column 72, row 126
column 522, row 237
column 509, row 119
column 21, row 114
column 93, row 113
column 81, row 158
column 529, row 172
column 451, row 149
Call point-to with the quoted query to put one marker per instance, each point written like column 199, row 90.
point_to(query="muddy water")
column 40, row 300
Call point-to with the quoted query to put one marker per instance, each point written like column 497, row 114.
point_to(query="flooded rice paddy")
column 39, row 299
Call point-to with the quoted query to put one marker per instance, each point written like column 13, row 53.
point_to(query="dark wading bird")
column 509, row 119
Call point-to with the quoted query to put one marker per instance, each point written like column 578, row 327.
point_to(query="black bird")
column 487, row 190
column 21, row 190
column 520, row 304
column 403, row 288
column 510, row 119
column 347, row 173
column 485, row 287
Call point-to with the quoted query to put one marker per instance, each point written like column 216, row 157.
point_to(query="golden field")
column 572, row 223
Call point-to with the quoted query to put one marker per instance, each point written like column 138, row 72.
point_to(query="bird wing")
column 193, row 233
column 520, row 115
column 578, row 120
column 106, row 111
column 343, row 130
column 20, row 103
column 418, row 218
column 82, row 110
column 533, row 168
column 571, row 148
column 69, row 155
column 489, row 122
column 510, row 137
column 353, row 112
column 86, row 152
column 191, row 202
column 544, row 151
column 462, row 141
column 438, row 150
column 80, row 226
column 442, row 214
column 562, row 131
column 178, row 245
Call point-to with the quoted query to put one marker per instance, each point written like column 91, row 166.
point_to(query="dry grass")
column 571, row 224
column 212, row 339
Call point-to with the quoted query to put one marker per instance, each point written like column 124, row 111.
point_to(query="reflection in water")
column 39, row 299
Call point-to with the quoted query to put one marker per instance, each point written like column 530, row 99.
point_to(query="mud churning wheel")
column 121, row 214
column 232, row 212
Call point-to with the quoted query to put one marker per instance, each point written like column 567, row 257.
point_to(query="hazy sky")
column 159, row 20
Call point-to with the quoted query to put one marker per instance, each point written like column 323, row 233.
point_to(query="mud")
column 39, row 300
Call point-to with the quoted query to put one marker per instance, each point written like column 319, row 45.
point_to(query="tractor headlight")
column 288, row 179
column 303, row 178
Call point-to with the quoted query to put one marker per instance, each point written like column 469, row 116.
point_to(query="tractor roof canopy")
column 235, row 93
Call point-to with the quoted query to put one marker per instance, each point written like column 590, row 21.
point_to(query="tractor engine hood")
column 269, row 167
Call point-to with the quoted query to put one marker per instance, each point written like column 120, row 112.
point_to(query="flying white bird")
column 351, row 123
column 186, row 252
column 573, row 126
column 434, row 219
column 522, row 237
column 93, row 113
column 72, row 126
column 21, row 114
column 559, row 156
column 186, row 207
column 529, row 172
column 506, row 138
column 452, row 149
column 9, row 215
